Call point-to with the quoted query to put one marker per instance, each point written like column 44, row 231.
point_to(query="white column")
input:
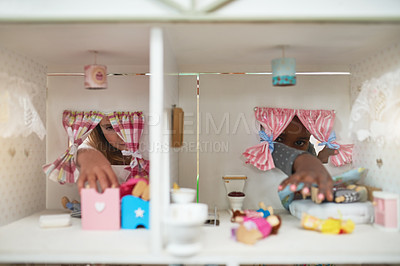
column 155, row 137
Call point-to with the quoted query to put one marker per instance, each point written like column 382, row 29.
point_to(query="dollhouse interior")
column 214, row 64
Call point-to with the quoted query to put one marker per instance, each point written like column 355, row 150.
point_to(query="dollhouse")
column 213, row 61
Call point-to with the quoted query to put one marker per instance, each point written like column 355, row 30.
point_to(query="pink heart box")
column 100, row 211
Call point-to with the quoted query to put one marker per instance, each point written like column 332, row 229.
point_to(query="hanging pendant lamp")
column 283, row 71
column 95, row 75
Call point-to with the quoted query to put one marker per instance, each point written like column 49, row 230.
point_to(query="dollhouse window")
column 274, row 120
column 78, row 125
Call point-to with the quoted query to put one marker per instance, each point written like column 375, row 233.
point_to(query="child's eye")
column 300, row 143
column 279, row 139
column 107, row 129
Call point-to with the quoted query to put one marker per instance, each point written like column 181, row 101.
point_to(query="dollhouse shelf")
column 24, row 241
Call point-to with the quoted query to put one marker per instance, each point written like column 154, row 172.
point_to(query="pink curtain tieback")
column 135, row 156
column 329, row 143
column 270, row 139
column 73, row 149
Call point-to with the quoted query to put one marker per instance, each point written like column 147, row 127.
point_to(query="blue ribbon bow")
column 329, row 143
column 265, row 137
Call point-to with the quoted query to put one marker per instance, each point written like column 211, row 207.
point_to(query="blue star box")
column 134, row 212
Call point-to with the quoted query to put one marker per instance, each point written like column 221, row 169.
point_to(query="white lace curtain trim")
column 375, row 114
column 18, row 116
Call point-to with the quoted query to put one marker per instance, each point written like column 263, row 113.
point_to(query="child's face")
column 111, row 135
column 295, row 135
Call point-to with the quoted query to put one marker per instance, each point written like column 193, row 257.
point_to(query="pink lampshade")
column 95, row 77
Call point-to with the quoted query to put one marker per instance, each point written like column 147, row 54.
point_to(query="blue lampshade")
column 284, row 72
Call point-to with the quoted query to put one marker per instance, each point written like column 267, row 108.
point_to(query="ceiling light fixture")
column 95, row 75
column 283, row 70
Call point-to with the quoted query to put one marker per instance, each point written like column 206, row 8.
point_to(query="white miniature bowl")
column 183, row 195
column 187, row 214
column 184, row 224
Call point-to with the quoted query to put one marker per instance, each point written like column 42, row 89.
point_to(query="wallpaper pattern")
column 382, row 161
column 22, row 181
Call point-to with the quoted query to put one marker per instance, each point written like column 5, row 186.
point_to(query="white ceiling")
column 252, row 43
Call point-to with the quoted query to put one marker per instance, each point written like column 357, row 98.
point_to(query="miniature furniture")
column 100, row 211
column 134, row 212
column 386, row 210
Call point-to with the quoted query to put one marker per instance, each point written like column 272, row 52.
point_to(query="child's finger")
column 306, row 191
column 92, row 181
column 103, row 181
column 81, row 182
column 283, row 184
column 112, row 178
column 325, row 188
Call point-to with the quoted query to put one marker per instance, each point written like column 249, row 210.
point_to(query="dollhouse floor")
column 25, row 242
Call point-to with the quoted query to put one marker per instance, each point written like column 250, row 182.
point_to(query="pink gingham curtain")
column 129, row 127
column 320, row 124
column 78, row 126
column 274, row 121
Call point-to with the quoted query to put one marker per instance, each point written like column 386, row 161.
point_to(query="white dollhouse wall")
column 386, row 175
column 228, row 128
column 22, row 181
column 124, row 93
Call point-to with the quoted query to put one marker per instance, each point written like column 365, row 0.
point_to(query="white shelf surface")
column 25, row 242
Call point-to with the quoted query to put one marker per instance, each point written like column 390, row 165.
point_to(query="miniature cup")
column 184, row 223
column 183, row 195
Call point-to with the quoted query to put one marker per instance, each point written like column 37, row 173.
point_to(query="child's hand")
column 94, row 167
column 309, row 170
column 324, row 154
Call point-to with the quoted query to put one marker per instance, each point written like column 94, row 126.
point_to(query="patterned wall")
column 368, row 153
column 22, row 182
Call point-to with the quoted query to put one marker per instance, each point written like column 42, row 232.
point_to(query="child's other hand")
column 324, row 154
column 94, row 167
column 309, row 170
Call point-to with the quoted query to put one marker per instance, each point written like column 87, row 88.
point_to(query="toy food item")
column 137, row 187
column 327, row 226
column 146, row 193
column 361, row 190
column 140, row 188
column 175, row 186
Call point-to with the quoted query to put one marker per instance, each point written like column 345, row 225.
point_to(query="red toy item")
column 129, row 187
